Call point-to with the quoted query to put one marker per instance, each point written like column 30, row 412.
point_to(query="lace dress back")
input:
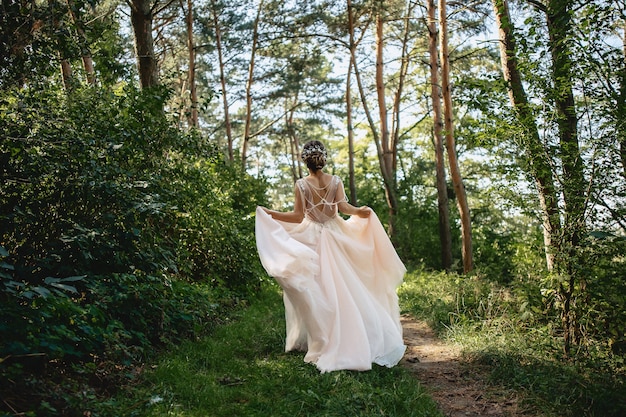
column 320, row 203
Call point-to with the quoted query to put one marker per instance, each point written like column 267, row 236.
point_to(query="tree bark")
column 193, row 91
column 380, row 93
column 84, row 47
column 293, row 149
column 64, row 63
column 559, row 29
column 445, row 235
column 351, row 182
column 352, row 46
column 248, row 123
column 455, row 172
column 385, row 152
column 538, row 163
column 375, row 134
column 402, row 74
column 141, row 16
column 294, row 143
column 220, row 58
column 66, row 72
column 621, row 105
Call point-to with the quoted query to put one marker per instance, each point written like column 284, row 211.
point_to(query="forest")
column 137, row 138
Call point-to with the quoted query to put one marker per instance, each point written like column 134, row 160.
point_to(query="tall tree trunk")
column 351, row 182
column 84, row 46
column 66, row 72
column 402, row 74
column 294, row 143
column 191, row 47
column 380, row 92
column 559, row 29
column 385, row 152
column 141, row 16
column 352, row 46
column 445, row 235
column 66, row 67
column 293, row 149
column 455, row 172
column 538, row 164
column 375, row 134
column 621, row 104
column 248, row 123
column 220, row 58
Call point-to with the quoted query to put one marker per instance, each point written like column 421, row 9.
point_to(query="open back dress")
column 339, row 279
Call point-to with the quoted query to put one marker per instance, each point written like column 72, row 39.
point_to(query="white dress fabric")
column 339, row 279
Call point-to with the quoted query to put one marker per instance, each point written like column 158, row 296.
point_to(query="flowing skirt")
column 339, row 282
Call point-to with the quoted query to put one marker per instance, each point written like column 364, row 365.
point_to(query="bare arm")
column 349, row 209
column 294, row 216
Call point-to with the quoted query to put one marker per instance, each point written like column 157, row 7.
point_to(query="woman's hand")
column 363, row 211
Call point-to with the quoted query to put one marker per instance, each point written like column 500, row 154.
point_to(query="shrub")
column 118, row 232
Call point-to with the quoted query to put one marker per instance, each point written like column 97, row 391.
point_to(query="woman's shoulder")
column 336, row 179
column 333, row 181
column 318, row 183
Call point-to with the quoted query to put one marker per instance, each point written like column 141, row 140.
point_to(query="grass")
column 494, row 328
column 242, row 370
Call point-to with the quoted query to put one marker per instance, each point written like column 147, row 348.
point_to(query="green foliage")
column 416, row 235
column 26, row 49
column 118, row 233
column 36, row 35
column 601, row 298
column 506, row 247
column 507, row 328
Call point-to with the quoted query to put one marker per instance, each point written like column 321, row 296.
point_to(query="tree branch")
column 156, row 3
column 614, row 214
column 539, row 5
column 272, row 122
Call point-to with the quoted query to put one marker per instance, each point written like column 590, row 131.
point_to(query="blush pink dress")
column 339, row 279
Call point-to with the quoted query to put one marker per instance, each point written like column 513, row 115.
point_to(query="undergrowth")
column 499, row 327
column 242, row 370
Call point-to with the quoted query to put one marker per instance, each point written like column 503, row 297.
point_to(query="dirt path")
column 460, row 390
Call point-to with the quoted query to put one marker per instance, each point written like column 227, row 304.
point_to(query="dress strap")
column 320, row 203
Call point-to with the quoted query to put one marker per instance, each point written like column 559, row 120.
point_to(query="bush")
column 118, row 232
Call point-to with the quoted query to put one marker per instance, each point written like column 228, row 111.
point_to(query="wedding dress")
column 339, row 280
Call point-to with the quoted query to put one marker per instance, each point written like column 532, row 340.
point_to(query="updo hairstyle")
column 314, row 155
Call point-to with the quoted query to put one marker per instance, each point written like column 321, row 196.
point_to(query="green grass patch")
column 498, row 327
column 242, row 370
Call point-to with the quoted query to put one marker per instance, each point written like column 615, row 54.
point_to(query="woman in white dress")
column 339, row 277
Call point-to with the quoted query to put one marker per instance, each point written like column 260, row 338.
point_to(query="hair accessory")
column 315, row 149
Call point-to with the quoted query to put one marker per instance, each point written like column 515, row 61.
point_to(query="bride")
column 339, row 277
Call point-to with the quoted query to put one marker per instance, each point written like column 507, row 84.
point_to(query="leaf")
column 14, row 284
column 50, row 280
column 42, row 291
column 64, row 287
column 5, row 265
column 598, row 234
column 3, row 252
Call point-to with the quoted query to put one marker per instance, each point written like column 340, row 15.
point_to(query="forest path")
column 460, row 389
